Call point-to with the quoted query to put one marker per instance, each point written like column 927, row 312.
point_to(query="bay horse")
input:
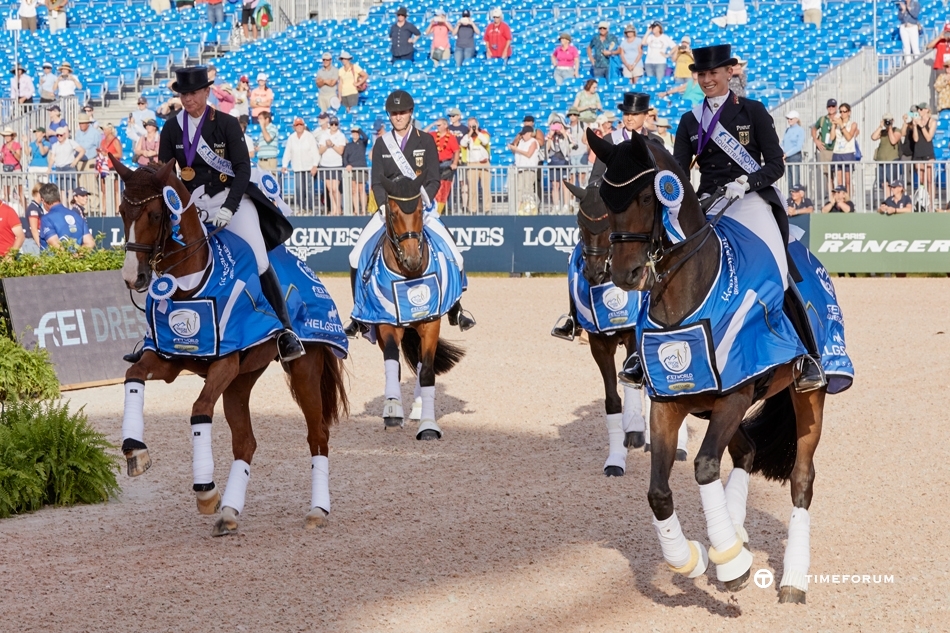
column 626, row 426
column 778, row 439
column 315, row 379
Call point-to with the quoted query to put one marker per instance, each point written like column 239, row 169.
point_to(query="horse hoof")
column 316, row 518
column 680, row 455
column 392, row 414
column 209, row 501
column 634, row 439
column 427, row 435
column 791, row 595
column 739, row 583
column 226, row 523
column 613, row 471
column 138, row 461
column 646, row 447
column 392, row 423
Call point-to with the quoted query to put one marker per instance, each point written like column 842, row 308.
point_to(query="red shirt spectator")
column 942, row 46
column 448, row 147
column 11, row 230
column 497, row 38
column 445, row 142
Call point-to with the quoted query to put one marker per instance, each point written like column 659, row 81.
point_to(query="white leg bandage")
column 417, row 393
column 133, row 419
column 674, row 545
column 428, row 402
column 683, row 436
column 320, row 483
column 202, row 462
column 236, row 490
column 632, row 410
column 737, row 492
column 393, row 392
column 797, row 552
column 647, row 406
column 616, row 453
column 722, row 533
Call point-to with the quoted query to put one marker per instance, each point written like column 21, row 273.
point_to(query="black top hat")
column 191, row 79
column 634, row 103
column 710, row 57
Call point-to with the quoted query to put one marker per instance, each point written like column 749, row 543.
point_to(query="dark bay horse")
column 778, row 439
column 316, row 379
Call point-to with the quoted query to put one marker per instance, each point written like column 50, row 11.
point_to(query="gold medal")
column 187, row 174
column 223, row 177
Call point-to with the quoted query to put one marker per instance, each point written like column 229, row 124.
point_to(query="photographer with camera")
column 888, row 152
column 558, row 144
column 477, row 142
column 465, row 32
column 941, row 46
column 908, row 14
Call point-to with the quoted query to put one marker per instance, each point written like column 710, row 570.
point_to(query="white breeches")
column 246, row 223
column 755, row 214
column 376, row 224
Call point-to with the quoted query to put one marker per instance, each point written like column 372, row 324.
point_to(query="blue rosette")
column 669, row 189
column 162, row 287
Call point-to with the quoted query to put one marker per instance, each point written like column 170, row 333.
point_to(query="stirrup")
column 564, row 328
column 355, row 328
column 632, row 372
column 465, row 320
column 136, row 354
column 811, row 375
column 289, row 346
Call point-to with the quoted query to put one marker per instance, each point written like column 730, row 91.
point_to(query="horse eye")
column 155, row 216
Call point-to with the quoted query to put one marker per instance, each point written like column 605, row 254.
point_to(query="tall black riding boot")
column 632, row 372
column 462, row 318
column 354, row 327
column 289, row 346
column 566, row 326
column 812, row 375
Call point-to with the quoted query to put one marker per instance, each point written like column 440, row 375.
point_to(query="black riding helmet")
column 399, row 101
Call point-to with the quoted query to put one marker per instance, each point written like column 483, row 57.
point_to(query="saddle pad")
column 604, row 308
column 185, row 328
column 417, row 299
column 679, row 361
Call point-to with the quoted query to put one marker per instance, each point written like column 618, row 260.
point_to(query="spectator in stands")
column 663, row 130
column 146, row 148
column 89, row 137
column 39, row 148
column 603, row 127
column 221, row 96
column 160, row 6
column 27, row 14
column 449, row 150
column 942, row 89
column 439, row 28
column 839, row 202
column 328, row 78
column 497, row 38
column 215, row 12
column 793, row 142
column 566, row 60
column 887, row 152
column 11, row 151
column 354, row 161
column 262, row 97
column 465, row 32
column 941, row 47
column 21, row 85
column 402, row 37
column 248, row 24
column 301, row 156
column 811, row 12
column 682, row 58
column 658, row 45
column 64, row 156
column 908, row 14
column 267, row 148
column 242, row 98
column 61, row 224
column 824, row 142
column 11, row 230
column 110, row 145
column 47, row 84
column 56, row 15
column 79, row 201
column 691, row 91
column 897, row 201
column 798, row 204
column 526, row 152
column 924, row 127
column 557, row 148
column 844, row 132
column 331, row 159
column 67, row 83
column 353, row 81
column 735, row 14
column 601, row 48
column 91, row 113
column 477, row 142
column 56, row 122
column 183, row 5
column 738, row 79
column 631, row 54
column 587, row 102
column 135, row 127
column 243, row 121
column 577, row 131
column 34, row 214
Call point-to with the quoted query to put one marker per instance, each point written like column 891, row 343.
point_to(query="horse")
column 626, row 427
column 777, row 439
column 155, row 246
column 407, row 252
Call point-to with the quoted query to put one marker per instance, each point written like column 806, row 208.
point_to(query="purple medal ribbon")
column 626, row 136
column 402, row 145
column 701, row 141
column 191, row 148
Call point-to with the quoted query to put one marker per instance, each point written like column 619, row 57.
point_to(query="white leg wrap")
column 683, row 437
column 797, row 552
column 428, row 402
column 722, row 533
column 393, row 391
column 632, row 410
column 616, row 453
column 202, row 462
column 236, row 490
column 674, row 545
column 133, row 419
column 646, row 416
column 418, row 394
column 416, row 412
column 320, row 483
column 737, row 492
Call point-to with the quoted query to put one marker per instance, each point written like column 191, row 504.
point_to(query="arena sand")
column 508, row 524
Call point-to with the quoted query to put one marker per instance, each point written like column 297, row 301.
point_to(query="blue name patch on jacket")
column 603, row 308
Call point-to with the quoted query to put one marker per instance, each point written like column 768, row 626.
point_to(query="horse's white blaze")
column 130, row 270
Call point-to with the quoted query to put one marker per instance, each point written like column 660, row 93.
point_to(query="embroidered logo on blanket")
column 417, row 299
column 679, row 360
column 185, row 328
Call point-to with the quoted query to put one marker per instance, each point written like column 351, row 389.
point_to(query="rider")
column 216, row 169
column 420, row 155
column 634, row 111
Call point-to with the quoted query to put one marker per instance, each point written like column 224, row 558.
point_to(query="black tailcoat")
column 423, row 157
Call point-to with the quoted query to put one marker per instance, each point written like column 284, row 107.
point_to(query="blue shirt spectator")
column 39, row 148
column 794, row 139
column 60, row 224
column 88, row 137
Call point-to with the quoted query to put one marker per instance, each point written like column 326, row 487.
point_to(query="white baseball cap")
column 496, row 13
column 793, row 114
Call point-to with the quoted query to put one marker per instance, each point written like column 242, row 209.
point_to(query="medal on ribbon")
column 190, row 148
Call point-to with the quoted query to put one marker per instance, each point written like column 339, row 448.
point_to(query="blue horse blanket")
column 604, row 308
column 740, row 331
column 229, row 312
column 388, row 297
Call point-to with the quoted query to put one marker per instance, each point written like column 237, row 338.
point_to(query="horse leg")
column 150, row 367
column 389, row 339
column 634, row 421
column 733, row 560
column 302, row 381
column 416, row 412
column 684, row 557
column 429, row 334
column 220, row 375
column 742, row 452
column 809, row 408
column 236, row 412
column 602, row 348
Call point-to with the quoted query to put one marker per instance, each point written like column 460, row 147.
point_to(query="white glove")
column 736, row 190
column 223, row 217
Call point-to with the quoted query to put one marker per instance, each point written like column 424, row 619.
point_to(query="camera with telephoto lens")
column 888, row 122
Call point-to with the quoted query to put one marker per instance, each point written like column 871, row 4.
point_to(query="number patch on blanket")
column 613, row 308
column 185, row 328
column 679, row 361
column 417, row 299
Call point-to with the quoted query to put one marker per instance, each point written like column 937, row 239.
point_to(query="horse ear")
column 166, row 170
column 574, row 189
column 123, row 171
column 604, row 150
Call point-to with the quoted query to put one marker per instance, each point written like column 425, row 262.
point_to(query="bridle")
column 395, row 239
column 588, row 251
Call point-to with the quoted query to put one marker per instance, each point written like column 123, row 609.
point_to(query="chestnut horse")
column 315, row 379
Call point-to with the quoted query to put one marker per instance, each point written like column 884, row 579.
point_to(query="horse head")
column 404, row 222
column 593, row 223
column 146, row 218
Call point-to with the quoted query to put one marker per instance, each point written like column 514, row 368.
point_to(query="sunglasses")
column 844, row 111
column 335, row 124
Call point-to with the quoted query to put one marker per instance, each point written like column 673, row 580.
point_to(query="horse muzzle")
column 639, row 278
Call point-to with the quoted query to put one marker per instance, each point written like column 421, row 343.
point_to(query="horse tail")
column 773, row 430
column 333, row 400
column 447, row 355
